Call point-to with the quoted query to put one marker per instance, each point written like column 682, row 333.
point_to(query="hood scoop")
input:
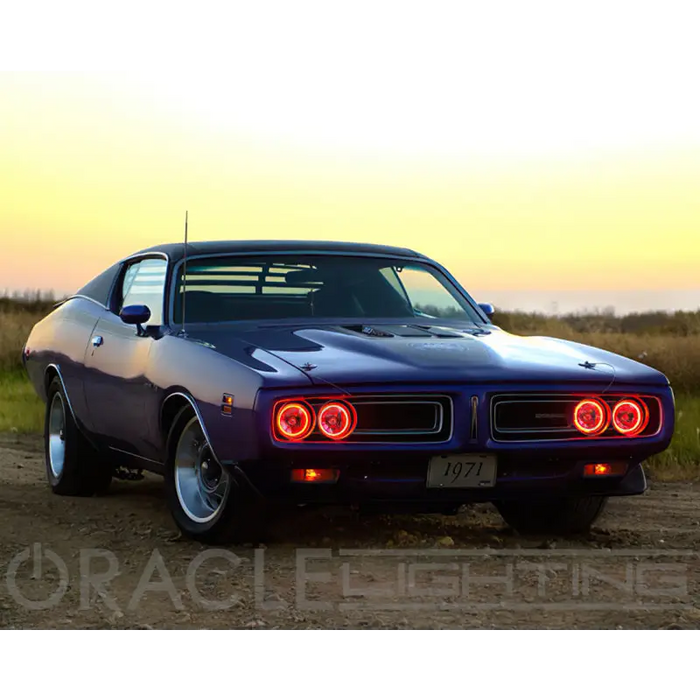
column 414, row 331
column 442, row 332
column 370, row 330
column 390, row 331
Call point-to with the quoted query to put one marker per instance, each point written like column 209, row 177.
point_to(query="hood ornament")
column 307, row 367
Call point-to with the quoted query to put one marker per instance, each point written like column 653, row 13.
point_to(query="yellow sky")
column 513, row 178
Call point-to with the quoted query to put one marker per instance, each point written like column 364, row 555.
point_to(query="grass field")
column 21, row 411
column 668, row 342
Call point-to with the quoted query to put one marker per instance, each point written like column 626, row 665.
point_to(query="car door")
column 116, row 388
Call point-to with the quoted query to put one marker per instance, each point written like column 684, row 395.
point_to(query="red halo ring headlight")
column 630, row 417
column 591, row 416
column 294, row 420
column 336, row 420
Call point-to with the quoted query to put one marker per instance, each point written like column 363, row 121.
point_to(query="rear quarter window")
column 99, row 288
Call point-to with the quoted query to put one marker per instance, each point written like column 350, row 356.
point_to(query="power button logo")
column 37, row 557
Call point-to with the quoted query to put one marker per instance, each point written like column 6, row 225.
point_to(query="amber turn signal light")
column 605, row 469
column 315, row 476
column 227, row 404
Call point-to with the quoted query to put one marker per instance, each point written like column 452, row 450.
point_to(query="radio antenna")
column 184, row 280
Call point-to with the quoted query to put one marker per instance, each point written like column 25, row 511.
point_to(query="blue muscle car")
column 259, row 373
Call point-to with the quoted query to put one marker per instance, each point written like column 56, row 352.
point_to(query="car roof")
column 175, row 251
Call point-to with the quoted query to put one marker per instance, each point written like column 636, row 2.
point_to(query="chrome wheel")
column 57, row 435
column 202, row 485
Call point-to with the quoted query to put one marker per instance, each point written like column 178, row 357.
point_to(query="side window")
column 144, row 283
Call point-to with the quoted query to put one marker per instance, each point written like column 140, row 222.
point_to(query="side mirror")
column 135, row 315
column 488, row 309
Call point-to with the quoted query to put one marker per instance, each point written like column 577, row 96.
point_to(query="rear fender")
column 53, row 370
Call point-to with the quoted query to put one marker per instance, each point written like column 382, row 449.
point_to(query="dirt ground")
column 118, row 561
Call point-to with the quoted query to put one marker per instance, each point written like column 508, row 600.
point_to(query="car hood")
column 351, row 355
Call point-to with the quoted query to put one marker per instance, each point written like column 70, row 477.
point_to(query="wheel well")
column 49, row 376
column 171, row 407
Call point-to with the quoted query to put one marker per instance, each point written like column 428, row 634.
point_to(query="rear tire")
column 73, row 466
column 566, row 516
column 205, row 500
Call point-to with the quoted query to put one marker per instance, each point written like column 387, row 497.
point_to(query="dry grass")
column 681, row 462
column 15, row 325
column 667, row 342
column 21, row 410
column 678, row 357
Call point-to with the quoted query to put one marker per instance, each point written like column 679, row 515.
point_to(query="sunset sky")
column 545, row 157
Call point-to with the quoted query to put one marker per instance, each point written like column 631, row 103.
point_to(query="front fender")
column 180, row 369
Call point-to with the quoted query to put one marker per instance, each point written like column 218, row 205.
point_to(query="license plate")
column 463, row 471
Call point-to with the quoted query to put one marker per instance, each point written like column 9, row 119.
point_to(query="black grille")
column 405, row 419
column 398, row 418
column 518, row 417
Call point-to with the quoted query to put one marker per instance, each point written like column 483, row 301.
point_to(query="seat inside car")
column 202, row 307
column 333, row 296
column 361, row 292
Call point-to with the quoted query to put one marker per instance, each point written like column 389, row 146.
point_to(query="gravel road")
column 118, row 561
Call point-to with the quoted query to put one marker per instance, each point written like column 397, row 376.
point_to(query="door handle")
column 97, row 341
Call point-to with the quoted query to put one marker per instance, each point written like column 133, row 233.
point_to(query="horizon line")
column 548, row 309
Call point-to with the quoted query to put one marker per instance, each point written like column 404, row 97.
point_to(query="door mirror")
column 135, row 315
column 488, row 309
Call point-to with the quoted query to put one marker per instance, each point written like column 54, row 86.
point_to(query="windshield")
column 220, row 289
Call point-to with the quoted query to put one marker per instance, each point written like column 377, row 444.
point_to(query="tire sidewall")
column 183, row 521
column 55, row 387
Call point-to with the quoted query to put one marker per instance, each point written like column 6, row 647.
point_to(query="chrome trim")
column 531, row 430
column 557, row 398
column 133, row 454
column 82, row 296
column 144, row 254
column 471, row 301
column 417, row 257
column 118, row 278
column 319, row 251
column 78, row 424
column 473, row 433
column 378, row 442
column 437, row 425
column 450, row 435
column 120, row 263
column 63, row 386
column 199, row 416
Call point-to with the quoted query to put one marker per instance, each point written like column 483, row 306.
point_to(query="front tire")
column 205, row 500
column 73, row 466
column 565, row 516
